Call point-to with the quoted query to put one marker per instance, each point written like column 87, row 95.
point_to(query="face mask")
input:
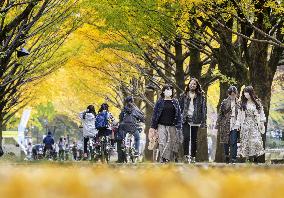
column 247, row 95
column 168, row 93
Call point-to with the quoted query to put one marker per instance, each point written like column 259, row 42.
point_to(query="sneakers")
column 192, row 160
column 233, row 161
column 186, row 159
column 164, row 161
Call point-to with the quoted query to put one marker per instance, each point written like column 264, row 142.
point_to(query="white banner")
column 22, row 126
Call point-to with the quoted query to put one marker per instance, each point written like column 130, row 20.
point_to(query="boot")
column 233, row 161
column 255, row 159
column 227, row 159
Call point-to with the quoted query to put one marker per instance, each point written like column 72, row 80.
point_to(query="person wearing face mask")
column 194, row 114
column 250, row 121
column 166, row 122
column 226, row 124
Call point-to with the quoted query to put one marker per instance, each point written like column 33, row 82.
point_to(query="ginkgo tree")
column 31, row 32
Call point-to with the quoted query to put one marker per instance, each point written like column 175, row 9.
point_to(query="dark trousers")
column 104, row 132
column 86, row 139
column 120, row 154
column 61, row 154
column 47, row 147
column 232, row 147
column 190, row 135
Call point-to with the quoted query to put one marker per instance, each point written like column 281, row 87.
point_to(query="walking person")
column 250, row 120
column 226, row 124
column 61, row 147
column 194, row 113
column 129, row 120
column 74, row 150
column 167, row 123
column 88, row 118
column 48, row 142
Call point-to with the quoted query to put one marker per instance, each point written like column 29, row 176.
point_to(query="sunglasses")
column 168, row 88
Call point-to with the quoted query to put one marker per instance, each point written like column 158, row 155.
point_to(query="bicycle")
column 102, row 149
column 49, row 154
column 128, row 149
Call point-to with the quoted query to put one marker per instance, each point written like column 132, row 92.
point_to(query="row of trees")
column 145, row 44
column 31, row 32
column 233, row 41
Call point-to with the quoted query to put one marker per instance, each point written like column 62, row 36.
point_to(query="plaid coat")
column 224, row 117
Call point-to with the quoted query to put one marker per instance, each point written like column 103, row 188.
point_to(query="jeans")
column 232, row 147
column 190, row 135
column 136, row 140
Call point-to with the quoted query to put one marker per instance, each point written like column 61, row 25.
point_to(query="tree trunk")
column 1, row 131
column 195, row 66
column 219, row 156
column 202, row 147
column 179, row 75
column 168, row 66
column 148, row 112
column 261, row 70
column 226, row 68
column 261, row 77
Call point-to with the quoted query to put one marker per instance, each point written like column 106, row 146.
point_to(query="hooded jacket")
column 89, row 128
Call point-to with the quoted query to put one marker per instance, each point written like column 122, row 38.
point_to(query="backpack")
column 102, row 120
column 129, row 122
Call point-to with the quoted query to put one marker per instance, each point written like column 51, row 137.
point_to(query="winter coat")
column 48, row 140
column 223, row 123
column 89, row 128
column 260, row 118
column 200, row 109
column 137, row 115
column 158, row 109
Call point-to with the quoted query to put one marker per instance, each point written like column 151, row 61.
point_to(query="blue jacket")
column 158, row 109
column 48, row 140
